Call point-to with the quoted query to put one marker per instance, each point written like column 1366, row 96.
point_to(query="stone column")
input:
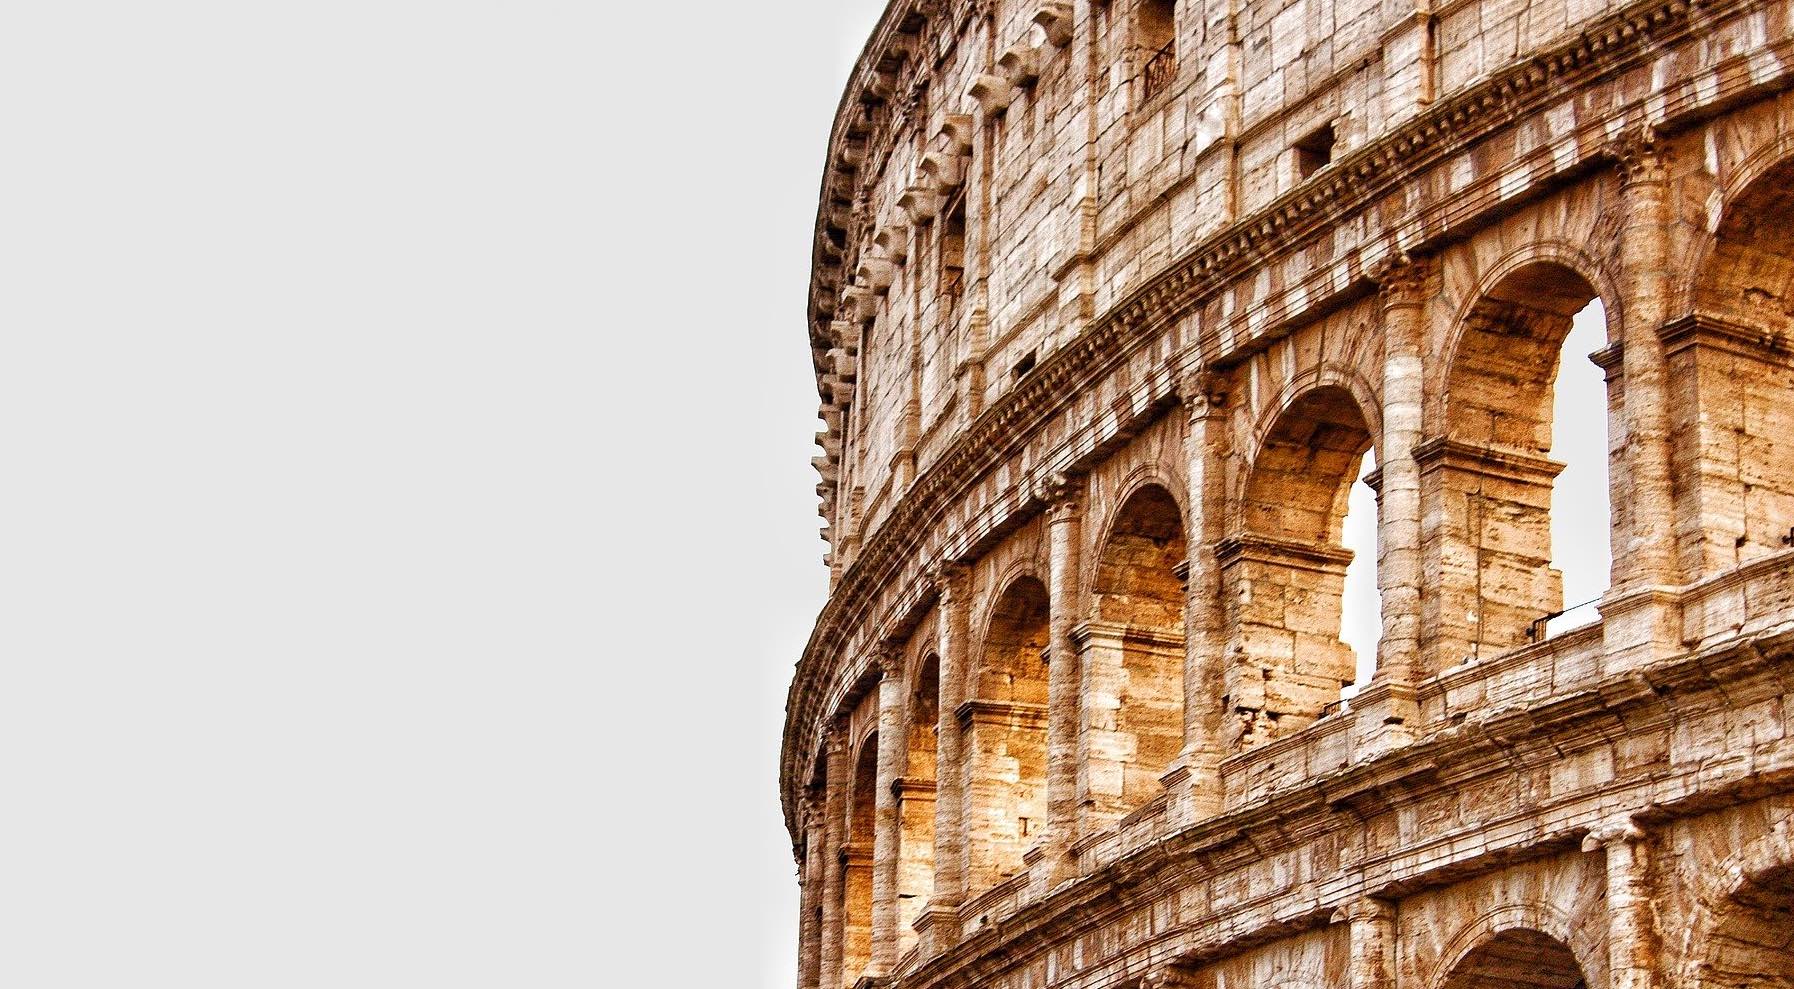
column 1388, row 706
column 809, row 926
column 834, row 887
column 1405, row 286
column 1373, row 942
column 886, row 821
column 1631, row 919
column 938, row 923
column 1638, row 611
column 1194, row 785
column 1050, row 860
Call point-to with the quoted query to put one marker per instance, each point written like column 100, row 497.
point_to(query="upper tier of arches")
column 1111, row 582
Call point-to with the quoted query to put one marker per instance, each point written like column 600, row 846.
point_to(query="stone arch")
column 1753, row 177
column 1733, row 354
column 1486, row 475
column 1132, row 654
column 1742, row 935
column 1481, row 952
column 1327, row 375
column 1283, row 568
column 1006, row 722
column 856, row 854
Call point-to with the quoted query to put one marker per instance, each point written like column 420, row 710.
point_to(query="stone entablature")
column 1025, row 556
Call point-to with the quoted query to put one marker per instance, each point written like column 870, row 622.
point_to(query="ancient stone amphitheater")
column 1111, row 300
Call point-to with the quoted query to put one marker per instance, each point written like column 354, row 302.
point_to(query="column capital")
column 887, row 658
column 835, row 736
column 1403, row 279
column 1640, row 157
column 1203, row 390
column 813, row 815
column 1172, row 976
column 1619, row 831
column 1364, row 908
column 950, row 579
column 1063, row 494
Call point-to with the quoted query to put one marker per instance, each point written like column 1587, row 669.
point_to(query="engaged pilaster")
column 1640, row 617
column 1631, row 919
column 1049, row 862
column 887, row 824
column 834, row 838
column 1373, row 942
column 810, row 887
column 1194, row 784
column 1388, row 707
column 938, row 924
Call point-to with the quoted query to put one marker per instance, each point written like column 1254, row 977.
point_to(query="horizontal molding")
column 1603, row 49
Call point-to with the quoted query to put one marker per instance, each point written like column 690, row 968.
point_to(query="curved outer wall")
column 1109, row 301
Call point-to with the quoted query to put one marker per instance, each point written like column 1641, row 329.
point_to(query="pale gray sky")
column 406, row 520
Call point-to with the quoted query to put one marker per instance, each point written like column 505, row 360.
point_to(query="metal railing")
column 1584, row 613
column 1159, row 70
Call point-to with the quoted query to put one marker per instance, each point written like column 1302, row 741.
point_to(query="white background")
column 406, row 520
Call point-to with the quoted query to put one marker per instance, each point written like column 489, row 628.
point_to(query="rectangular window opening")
column 1155, row 33
column 953, row 251
column 1315, row 152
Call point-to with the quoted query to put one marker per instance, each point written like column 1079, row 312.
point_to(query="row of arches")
column 1299, row 577
column 1514, row 470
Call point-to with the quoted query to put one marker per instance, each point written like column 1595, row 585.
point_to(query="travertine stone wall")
column 1109, row 301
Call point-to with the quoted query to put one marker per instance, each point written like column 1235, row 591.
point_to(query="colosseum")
column 1114, row 305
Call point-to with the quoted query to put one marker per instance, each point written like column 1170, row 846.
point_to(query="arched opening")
column 1490, row 482
column 856, row 927
column 1581, row 524
column 1007, row 722
column 1284, row 573
column 1519, row 958
column 1132, row 652
column 1731, row 368
column 1752, row 942
column 1361, row 604
column 916, row 796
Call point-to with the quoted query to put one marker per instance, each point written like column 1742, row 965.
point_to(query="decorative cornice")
column 1705, row 330
column 1603, row 48
column 1510, row 465
column 1252, row 547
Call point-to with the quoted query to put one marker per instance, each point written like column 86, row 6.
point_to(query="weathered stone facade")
column 1111, row 298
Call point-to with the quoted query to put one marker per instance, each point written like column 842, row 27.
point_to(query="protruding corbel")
column 921, row 203
column 860, row 301
column 1054, row 17
column 1020, row 64
column 991, row 92
column 877, row 273
column 958, row 132
column 944, row 170
column 893, row 239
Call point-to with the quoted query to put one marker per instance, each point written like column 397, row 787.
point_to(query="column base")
column 1640, row 626
column 1049, row 864
column 1192, row 789
column 937, row 930
column 1385, row 717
